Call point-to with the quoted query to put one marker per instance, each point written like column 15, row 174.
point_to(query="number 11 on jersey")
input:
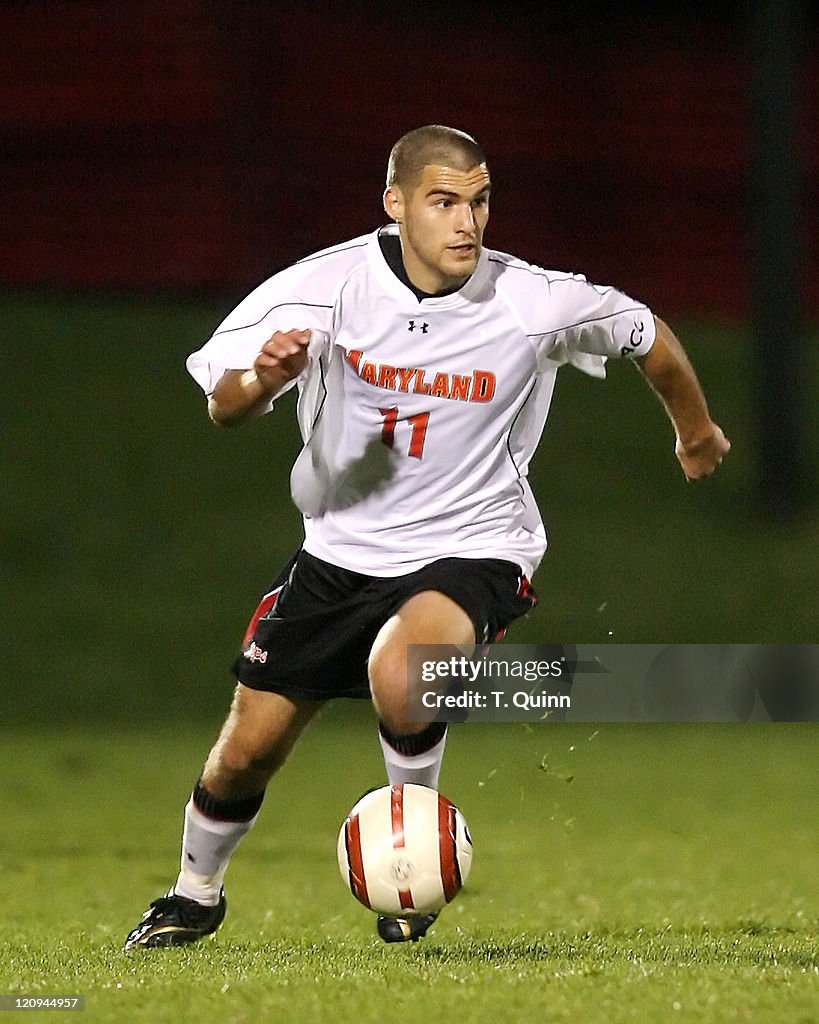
column 419, row 430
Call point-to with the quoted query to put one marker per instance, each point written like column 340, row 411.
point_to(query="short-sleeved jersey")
column 420, row 417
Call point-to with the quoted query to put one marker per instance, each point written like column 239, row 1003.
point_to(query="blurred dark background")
column 158, row 160
column 203, row 144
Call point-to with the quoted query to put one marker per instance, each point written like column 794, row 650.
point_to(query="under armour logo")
column 423, row 327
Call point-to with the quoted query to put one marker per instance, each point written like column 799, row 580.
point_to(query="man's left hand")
column 699, row 458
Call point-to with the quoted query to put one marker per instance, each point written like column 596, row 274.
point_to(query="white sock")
column 207, row 846
column 420, row 769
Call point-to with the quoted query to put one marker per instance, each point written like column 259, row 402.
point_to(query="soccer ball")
column 404, row 850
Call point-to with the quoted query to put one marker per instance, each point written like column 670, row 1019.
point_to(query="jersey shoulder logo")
column 635, row 338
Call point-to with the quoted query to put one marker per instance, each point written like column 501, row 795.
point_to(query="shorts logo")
column 255, row 653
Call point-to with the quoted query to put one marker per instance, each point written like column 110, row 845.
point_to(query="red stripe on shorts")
column 266, row 603
column 525, row 590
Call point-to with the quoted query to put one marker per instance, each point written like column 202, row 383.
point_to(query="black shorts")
column 311, row 635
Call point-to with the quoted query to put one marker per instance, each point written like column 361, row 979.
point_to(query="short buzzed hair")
column 432, row 144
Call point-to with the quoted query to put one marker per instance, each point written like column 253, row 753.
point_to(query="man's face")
column 442, row 221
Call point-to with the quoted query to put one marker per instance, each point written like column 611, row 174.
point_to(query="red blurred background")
column 201, row 145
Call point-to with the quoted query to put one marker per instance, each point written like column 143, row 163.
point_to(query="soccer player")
column 425, row 365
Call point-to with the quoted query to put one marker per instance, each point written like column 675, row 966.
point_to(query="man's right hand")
column 282, row 357
column 242, row 394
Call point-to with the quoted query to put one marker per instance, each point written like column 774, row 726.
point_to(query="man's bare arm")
column 701, row 444
column 242, row 394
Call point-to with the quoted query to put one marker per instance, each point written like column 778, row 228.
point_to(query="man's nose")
column 466, row 218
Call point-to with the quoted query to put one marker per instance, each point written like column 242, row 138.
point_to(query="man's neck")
column 391, row 249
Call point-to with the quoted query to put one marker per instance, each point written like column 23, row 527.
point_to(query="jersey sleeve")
column 594, row 320
column 287, row 301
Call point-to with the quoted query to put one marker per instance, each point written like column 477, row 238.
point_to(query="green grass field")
column 627, row 875
column 649, row 874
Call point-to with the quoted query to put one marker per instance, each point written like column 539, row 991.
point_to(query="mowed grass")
column 632, row 874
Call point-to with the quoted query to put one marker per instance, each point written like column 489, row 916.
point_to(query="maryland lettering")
column 478, row 386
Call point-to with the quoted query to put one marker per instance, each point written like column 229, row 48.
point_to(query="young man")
column 425, row 366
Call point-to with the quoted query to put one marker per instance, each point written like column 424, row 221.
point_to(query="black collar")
column 391, row 248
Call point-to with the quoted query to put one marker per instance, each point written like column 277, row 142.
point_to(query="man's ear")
column 394, row 203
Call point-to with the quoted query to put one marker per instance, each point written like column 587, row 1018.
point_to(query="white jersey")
column 419, row 417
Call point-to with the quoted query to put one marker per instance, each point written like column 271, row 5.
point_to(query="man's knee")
column 234, row 756
column 394, row 667
column 256, row 740
column 430, row 617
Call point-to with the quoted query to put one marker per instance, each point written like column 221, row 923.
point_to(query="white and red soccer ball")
column 404, row 850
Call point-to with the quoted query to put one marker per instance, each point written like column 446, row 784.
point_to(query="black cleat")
column 175, row 921
column 404, row 929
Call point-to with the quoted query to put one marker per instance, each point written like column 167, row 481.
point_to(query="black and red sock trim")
column 415, row 743
column 226, row 810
